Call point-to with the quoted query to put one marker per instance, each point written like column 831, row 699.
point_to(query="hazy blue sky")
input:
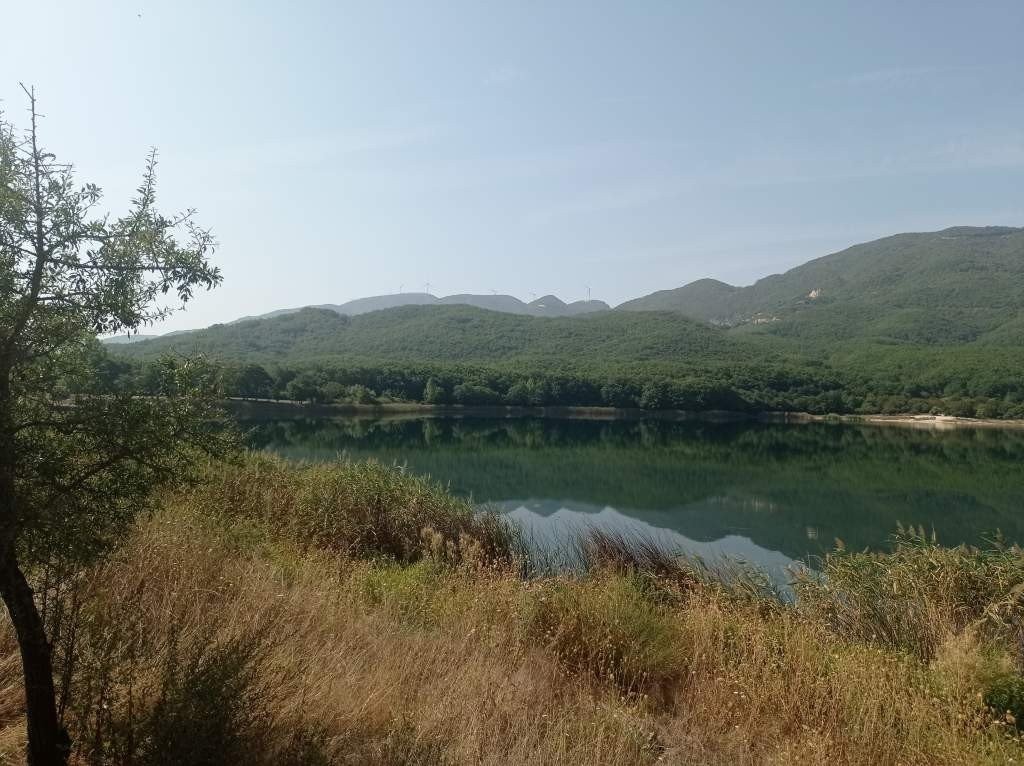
column 344, row 149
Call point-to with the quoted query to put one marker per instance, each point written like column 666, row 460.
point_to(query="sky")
column 345, row 149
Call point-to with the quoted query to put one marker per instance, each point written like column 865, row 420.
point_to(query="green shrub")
column 470, row 394
column 151, row 705
column 1006, row 695
column 207, row 711
column 409, row 590
column 359, row 394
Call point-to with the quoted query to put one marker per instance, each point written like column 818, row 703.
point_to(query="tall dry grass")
column 228, row 631
column 915, row 597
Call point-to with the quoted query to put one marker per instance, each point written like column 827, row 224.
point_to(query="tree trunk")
column 48, row 742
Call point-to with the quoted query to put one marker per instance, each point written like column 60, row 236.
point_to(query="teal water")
column 765, row 494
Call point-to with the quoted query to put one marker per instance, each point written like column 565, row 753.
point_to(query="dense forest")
column 858, row 378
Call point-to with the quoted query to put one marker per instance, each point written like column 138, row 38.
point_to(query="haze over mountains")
column 958, row 285
column 546, row 306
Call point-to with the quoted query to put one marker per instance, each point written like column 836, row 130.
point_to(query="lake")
column 766, row 494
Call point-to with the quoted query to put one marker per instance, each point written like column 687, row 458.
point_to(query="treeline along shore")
column 912, row 324
column 925, row 387
column 251, row 408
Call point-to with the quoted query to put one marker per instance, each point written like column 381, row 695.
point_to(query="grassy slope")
column 223, row 624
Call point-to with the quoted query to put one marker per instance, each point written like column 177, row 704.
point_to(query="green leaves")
column 88, row 465
column 80, row 450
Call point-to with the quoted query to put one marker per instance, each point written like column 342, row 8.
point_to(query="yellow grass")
column 457, row 659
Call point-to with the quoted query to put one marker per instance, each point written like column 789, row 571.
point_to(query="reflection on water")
column 767, row 494
column 552, row 526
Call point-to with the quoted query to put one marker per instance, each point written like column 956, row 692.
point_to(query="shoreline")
column 934, row 422
column 269, row 408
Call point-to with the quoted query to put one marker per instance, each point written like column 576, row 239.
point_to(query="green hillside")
column 910, row 323
column 954, row 286
column 457, row 334
column 705, row 299
column 464, row 355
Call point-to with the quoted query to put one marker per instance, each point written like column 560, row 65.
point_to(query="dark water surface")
column 767, row 494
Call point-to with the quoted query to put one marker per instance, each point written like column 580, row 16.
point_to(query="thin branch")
column 40, row 248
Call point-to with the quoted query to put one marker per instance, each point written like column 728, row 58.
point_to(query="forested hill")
column 959, row 285
column 911, row 323
column 440, row 334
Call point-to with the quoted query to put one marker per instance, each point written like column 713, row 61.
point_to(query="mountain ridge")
column 919, row 323
column 960, row 284
column 548, row 305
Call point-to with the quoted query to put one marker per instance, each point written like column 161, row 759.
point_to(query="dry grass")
column 916, row 597
column 357, row 509
column 217, row 624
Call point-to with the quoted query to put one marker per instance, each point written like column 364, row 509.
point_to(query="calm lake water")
column 766, row 494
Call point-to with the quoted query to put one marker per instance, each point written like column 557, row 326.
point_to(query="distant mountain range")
column 546, row 306
column 121, row 340
column 915, row 323
column 959, row 285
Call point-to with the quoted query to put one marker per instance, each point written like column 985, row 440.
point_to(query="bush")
column 617, row 395
column 609, row 627
column 362, row 509
column 434, row 393
column 916, row 596
column 359, row 394
column 207, row 710
column 656, row 396
column 1006, row 695
column 160, row 704
column 468, row 393
column 304, row 388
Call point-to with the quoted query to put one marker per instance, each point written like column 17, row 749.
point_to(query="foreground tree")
column 79, row 457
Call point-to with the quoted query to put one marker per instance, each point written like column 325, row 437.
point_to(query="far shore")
column 270, row 408
column 938, row 422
